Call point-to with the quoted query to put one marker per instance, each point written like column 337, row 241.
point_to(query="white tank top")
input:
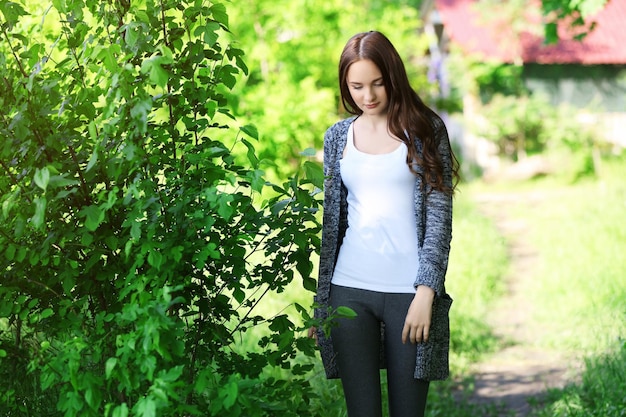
column 379, row 251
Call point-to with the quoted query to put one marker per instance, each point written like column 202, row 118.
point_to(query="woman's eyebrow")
column 360, row 83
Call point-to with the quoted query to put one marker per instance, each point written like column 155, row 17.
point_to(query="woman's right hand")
column 313, row 333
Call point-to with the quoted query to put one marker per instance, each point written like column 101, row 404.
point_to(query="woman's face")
column 366, row 86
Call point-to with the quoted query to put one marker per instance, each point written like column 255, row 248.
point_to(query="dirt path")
column 521, row 371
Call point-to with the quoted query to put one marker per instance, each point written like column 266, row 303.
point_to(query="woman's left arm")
column 437, row 220
column 434, row 251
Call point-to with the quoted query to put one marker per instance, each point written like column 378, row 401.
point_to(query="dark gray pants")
column 357, row 345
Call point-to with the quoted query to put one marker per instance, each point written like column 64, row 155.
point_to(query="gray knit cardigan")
column 433, row 213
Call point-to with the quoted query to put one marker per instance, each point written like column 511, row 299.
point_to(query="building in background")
column 588, row 74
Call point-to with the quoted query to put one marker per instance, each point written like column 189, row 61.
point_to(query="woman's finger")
column 405, row 332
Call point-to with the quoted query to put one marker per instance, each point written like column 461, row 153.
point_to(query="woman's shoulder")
column 340, row 127
column 336, row 136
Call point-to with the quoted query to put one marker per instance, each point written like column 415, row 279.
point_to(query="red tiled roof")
column 494, row 39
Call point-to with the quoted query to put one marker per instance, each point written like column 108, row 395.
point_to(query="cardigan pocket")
column 440, row 327
column 432, row 357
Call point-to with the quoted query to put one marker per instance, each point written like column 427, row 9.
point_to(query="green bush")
column 134, row 242
column 516, row 124
column 522, row 125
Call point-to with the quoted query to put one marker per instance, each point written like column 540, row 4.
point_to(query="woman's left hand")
column 417, row 322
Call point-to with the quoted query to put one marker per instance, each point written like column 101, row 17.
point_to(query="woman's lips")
column 371, row 106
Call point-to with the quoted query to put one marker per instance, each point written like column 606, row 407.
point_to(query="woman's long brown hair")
column 408, row 117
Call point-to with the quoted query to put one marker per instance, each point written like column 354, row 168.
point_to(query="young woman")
column 387, row 222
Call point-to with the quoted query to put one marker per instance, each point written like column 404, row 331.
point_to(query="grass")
column 478, row 260
column 584, row 283
column 601, row 393
column 580, row 235
column 584, row 287
column 579, row 232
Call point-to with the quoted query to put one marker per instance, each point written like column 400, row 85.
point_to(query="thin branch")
column 17, row 59
column 74, row 55
column 169, row 87
column 163, row 25
column 41, row 284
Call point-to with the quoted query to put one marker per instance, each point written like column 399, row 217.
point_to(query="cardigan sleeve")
column 335, row 215
column 437, row 221
column 331, row 215
column 328, row 238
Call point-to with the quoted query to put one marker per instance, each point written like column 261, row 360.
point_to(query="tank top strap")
column 350, row 139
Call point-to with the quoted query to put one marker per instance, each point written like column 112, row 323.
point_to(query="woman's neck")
column 374, row 123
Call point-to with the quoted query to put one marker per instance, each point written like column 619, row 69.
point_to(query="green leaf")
column 210, row 35
column 157, row 74
column 257, row 181
column 254, row 161
column 177, row 253
column 120, row 411
column 92, row 160
column 172, row 374
column 218, row 11
column 108, row 368
column 309, row 284
column 8, row 204
column 345, row 312
column 86, row 239
column 48, row 312
column 12, row 12
column 280, row 206
column 40, row 212
column 127, row 248
column 10, row 252
column 139, row 113
column 224, row 209
column 239, row 295
column 135, row 230
column 227, row 75
column 314, row 173
column 94, row 215
column 131, row 33
column 251, row 130
column 69, row 282
column 155, row 259
column 203, row 380
column 42, row 177
column 61, row 181
column 146, row 407
column 237, row 54
column 112, row 242
column 21, row 254
column 229, row 394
